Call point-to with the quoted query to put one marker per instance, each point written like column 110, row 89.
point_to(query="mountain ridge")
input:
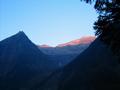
column 73, row 47
column 82, row 40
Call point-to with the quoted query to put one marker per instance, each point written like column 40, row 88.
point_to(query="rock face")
column 94, row 69
column 22, row 64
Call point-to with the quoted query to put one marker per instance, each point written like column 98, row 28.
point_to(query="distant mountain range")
column 72, row 47
column 65, row 53
column 82, row 40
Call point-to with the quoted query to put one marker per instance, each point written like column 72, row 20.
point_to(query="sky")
column 47, row 21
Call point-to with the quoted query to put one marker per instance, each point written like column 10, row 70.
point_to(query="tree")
column 108, row 24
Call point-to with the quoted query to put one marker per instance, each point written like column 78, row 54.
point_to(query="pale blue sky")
column 47, row 21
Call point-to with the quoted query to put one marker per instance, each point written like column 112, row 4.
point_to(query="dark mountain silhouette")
column 22, row 64
column 94, row 69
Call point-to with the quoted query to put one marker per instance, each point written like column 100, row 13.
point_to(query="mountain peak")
column 19, row 42
column 17, row 39
column 21, row 34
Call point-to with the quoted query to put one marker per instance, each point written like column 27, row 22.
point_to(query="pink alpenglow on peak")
column 83, row 40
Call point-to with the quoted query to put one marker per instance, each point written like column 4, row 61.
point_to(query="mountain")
column 63, row 55
column 83, row 40
column 72, row 47
column 96, row 68
column 67, row 52
column 22, row 64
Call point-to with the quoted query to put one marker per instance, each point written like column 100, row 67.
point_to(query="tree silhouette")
column 108, row 24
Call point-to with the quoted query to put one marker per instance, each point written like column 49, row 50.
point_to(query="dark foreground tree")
column 108, row 24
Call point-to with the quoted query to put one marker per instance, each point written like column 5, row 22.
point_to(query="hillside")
column 94, row 69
